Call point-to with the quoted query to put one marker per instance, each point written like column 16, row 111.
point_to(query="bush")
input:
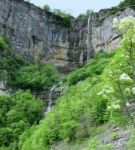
column 95, row 144
column 17, row 113
column 9, row 63
column 36, row 77
column 131, row 143
column 72, row 118
column 91, row 69
column 25, row 75
column 62, row 18
column 47, row 8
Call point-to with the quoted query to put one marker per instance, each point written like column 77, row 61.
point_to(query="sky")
column 75, row 7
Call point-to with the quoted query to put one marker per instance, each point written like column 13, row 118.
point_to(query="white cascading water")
column 3, row 90
column 88, row 38
column 50, row 99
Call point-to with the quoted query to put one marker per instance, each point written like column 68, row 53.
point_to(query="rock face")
column 33, row 31
column 103, row 35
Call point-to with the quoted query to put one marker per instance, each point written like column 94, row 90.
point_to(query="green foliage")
column 17, row 113
column 25, row 135
column 37, row 77
column 121, row 73
column 131, row 143
column 126, row 3
column 72, row 118
column 8, row 61
column 81, row 17
column 5, row 59
column 93, row 68
column 62, row 18
column 106, row 147
column 95, row 144
column 47, row 8
column 25, row 75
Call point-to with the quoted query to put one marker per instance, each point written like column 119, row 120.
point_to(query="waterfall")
column 2, row 85
column 53, row 94
column 50, row 99
column 3, row 89
column 89, row 38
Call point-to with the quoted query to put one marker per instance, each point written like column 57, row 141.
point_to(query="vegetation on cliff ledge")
column 20, row 74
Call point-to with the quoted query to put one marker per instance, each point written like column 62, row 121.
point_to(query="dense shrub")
column 62, row 18
column 47, row 8
column 37, row 77
column 72, row 118
column 97, row 144
column 91, row 69
column 131, row 143
column 25, row 75
column 9, row 63
column 17, row 113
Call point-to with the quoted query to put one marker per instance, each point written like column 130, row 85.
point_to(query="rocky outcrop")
column 103, row 35
column 32, row 31
column 116, row 136
column 112, row 138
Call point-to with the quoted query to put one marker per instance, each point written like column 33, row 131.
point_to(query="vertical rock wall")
column 31, row 30
column 104, row 37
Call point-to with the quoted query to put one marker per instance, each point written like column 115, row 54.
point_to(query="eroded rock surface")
column 32, row 31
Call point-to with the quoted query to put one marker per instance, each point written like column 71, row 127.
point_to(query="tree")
column 47, row 8
column 7, row 61
column 121, row 72
column 34, row 78
column 62, row 18
column 18, row 112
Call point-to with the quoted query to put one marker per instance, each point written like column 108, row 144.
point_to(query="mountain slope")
column 93, row 102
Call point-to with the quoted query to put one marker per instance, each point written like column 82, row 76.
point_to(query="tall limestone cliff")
column 30, row 30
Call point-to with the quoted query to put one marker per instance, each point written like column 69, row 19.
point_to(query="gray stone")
column 33, row 31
